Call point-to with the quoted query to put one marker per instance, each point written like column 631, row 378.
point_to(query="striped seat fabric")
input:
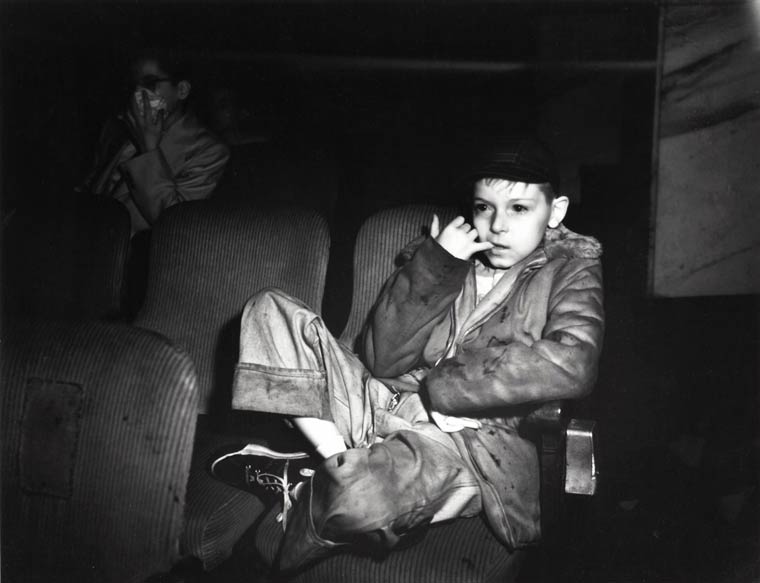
column 207, row 259
column 376, row 254
column 97, row 426
column 463, row 551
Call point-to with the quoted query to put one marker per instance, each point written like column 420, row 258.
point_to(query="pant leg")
column 402, row 472
column 375, row 497
column 291, row 364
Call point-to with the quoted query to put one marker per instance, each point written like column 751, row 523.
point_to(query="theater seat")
column 97, row 426
column 207, row 258
column 66, row 261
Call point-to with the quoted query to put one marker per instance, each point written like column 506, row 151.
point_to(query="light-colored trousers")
column 400, row 472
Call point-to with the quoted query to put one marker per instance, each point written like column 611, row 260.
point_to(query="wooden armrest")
column 566, row 450
column 545, row 426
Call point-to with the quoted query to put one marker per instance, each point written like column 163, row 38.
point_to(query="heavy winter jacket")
column 187, row 165
column 536, row 336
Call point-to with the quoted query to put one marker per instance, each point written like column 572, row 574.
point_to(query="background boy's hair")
column 174, row 62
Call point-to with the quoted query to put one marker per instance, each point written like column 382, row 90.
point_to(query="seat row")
column 109, row 427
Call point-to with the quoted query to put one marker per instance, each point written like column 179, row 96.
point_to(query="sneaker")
column 267, row 473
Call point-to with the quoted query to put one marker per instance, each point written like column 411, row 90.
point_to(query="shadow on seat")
column 97, row 427
column 207, row 259
column 66, row 262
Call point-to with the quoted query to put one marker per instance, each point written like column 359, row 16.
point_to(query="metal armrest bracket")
column 580, row 462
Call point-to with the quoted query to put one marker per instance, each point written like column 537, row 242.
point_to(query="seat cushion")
column 97, row 425
column 216, row 515
column 460, row 551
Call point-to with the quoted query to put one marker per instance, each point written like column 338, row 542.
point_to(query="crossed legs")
column 400, row 471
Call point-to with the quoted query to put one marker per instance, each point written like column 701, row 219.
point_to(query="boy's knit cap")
column 522, row 159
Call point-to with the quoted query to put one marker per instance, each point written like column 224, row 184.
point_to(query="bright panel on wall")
column 706, row 204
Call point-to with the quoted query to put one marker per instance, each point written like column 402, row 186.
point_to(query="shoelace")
column 281, row 483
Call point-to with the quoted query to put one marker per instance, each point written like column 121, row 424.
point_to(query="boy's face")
column 148, row 74
column 513, row 217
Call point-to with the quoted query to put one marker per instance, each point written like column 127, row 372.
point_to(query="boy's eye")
column 518, row 208
column 480, row 207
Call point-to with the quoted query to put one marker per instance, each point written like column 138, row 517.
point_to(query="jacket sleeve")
column 415, row 299
column 154, row 186
column 561, row 364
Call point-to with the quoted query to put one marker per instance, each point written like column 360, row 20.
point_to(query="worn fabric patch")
column 49, row 436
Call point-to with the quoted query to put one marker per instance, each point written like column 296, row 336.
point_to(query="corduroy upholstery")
column 378, row 243
column 464, row 551
column 97, row 426
column 207, row 259
column 66, row 262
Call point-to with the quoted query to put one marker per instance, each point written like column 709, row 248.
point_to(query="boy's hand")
column 147, row 125
column 458, row 238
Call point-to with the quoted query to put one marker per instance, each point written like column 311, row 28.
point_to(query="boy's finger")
column 435, row 226
column 481, row 246
column 146, row 106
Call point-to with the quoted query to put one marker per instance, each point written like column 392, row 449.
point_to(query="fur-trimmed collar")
column 562, row 242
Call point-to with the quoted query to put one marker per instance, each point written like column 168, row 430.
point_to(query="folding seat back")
column 207, row 259
column 376, row 255
column 66, row 262
column 98, row 421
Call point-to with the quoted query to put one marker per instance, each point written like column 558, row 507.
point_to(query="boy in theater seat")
column 489, row 316
column 156, row 153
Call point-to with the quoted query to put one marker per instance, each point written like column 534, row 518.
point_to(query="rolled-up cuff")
column 286, row 391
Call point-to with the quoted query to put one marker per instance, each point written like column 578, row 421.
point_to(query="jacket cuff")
column 442, row 266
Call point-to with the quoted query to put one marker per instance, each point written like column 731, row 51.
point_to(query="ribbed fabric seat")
column 460, row 551
column 463, row 551
column 376, row 255
column 97, row 426
column 207, row 259
column 66, row 262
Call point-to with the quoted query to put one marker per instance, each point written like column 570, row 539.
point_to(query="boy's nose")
column 499, row 224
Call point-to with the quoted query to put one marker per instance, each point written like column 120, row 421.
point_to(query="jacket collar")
column 562, row 242
column 558, row 243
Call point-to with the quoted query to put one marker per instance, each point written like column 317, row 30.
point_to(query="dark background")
column 373, row 104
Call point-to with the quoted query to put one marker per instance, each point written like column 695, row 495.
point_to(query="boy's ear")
column 559, row 210
column 183, row 89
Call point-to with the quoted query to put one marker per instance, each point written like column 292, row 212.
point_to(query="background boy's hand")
column 147, row 125
column 458, row 238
